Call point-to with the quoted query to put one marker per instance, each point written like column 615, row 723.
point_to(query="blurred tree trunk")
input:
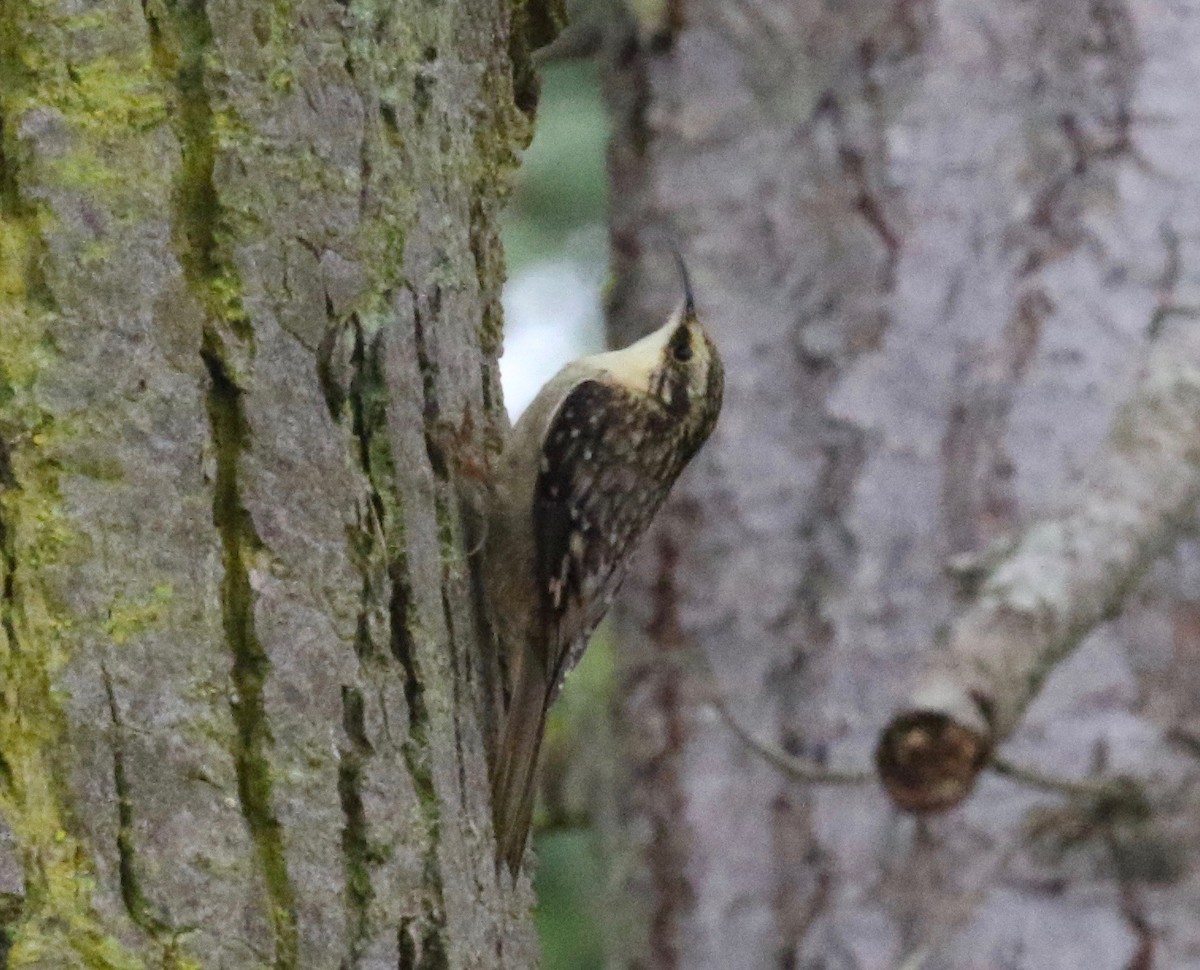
column 249, row 319
column 934, row 242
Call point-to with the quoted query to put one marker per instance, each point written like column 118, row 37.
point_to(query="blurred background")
column 936, row 243
column 557, row 248
column 555, row 238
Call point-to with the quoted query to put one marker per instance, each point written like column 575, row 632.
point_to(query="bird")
column 584, row 471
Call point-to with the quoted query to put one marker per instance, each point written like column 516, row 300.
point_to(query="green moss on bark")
column 95, row 99
column 251, row 666
column 121, row 123
column 181, row 39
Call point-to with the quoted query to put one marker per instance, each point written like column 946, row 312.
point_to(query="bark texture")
column 935, row 242
column 249, row 320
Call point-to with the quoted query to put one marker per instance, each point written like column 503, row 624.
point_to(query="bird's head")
column 677, row 364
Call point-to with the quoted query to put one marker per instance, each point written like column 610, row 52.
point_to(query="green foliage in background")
column 577, row 767
column 561, row 185
column 570, row 878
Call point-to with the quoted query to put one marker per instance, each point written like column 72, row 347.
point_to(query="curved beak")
column 689, row 300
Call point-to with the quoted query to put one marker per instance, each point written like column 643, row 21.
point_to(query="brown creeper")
column 585, row 470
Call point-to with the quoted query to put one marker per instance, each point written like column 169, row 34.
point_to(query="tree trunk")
column 249, row 320
column 935, row 243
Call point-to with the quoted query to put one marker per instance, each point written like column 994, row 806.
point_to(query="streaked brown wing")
column 608, row 461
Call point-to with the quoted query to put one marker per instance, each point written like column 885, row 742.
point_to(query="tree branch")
column 1062, row 578
column 797, row 769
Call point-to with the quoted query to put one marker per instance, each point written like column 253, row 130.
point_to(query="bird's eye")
column 682, row 351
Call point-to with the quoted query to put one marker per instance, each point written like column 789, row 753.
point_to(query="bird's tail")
column 514, row 780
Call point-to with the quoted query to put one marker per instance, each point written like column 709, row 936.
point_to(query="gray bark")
column 933, row 241
column 249, row 322
column 1058, row 582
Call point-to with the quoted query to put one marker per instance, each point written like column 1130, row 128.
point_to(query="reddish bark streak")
column 666, row 806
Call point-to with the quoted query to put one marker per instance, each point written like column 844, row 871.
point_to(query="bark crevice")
column 181, row 39
column 535, row 24
column 433, row 408
column 368, row 398
column 420, row 945
column 439, row 462
column 141, row 911
column 251, row 665
column 356, row 844
column 8, row 571
column 367, row 553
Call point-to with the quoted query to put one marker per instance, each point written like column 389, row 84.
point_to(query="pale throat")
column 636, row 366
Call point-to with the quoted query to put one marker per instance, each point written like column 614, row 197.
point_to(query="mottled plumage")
column 586, row 469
